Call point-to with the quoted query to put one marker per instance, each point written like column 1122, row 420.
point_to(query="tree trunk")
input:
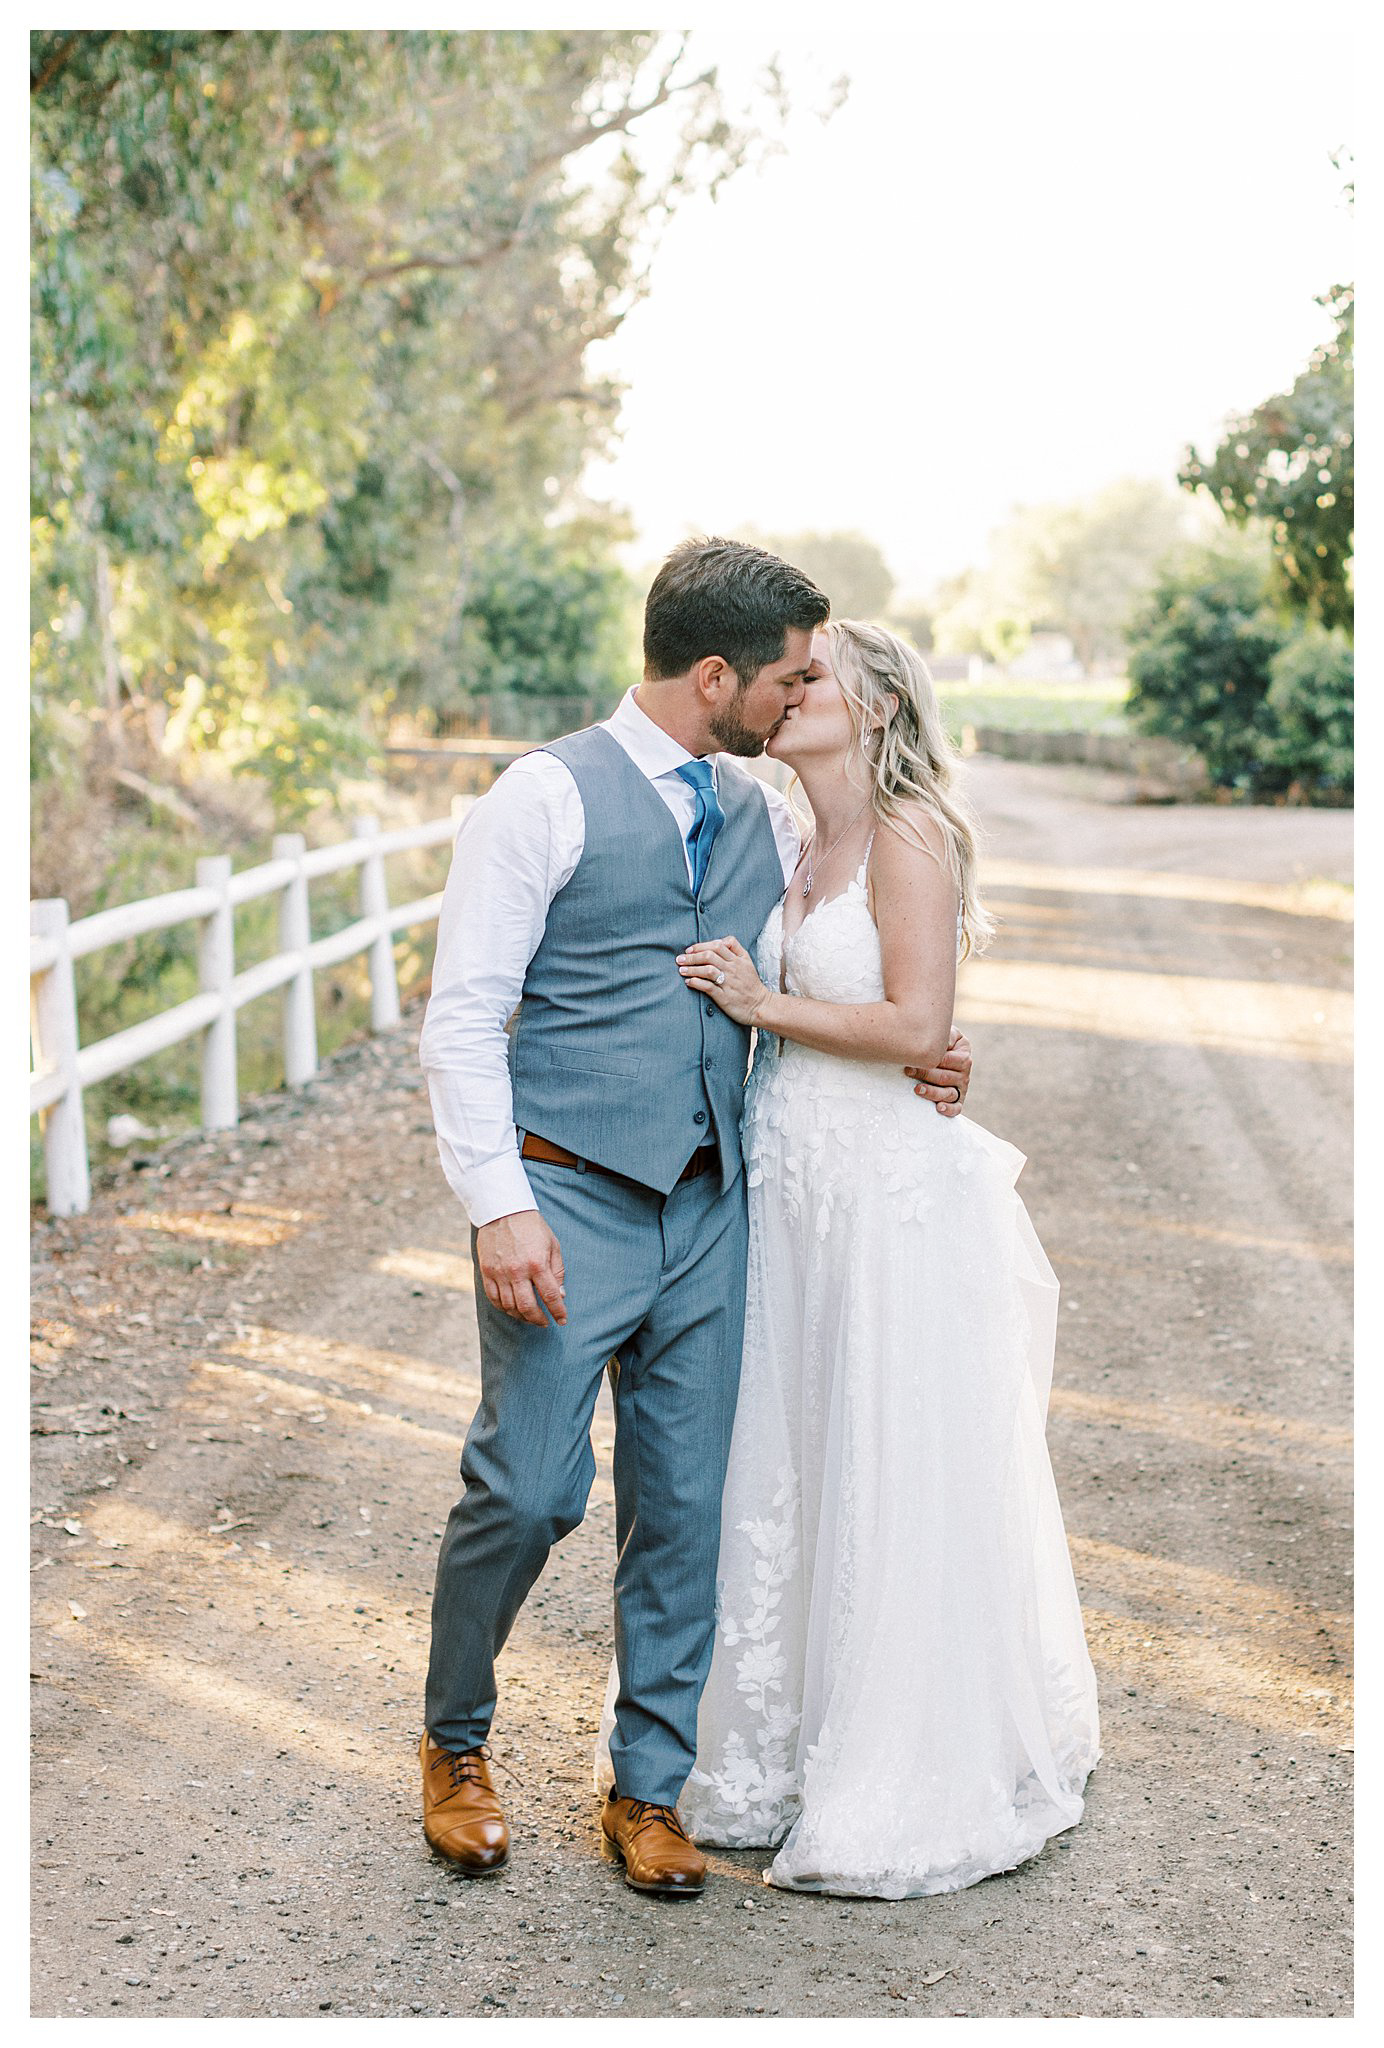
column 111, row 679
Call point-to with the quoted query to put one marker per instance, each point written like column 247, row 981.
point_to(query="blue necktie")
column 707, row 821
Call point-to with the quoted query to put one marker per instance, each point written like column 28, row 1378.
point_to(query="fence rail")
column 64, row 1067
column 509, row 714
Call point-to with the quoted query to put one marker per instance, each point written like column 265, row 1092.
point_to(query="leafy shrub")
column 1269, row 705
column 543, row 617
column 1312, row 697
column 1201, row 656
column 1288, row 470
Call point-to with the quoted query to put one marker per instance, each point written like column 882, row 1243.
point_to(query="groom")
column 598, row 1157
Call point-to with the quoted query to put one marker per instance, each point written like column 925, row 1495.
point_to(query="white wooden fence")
column 63, row 1067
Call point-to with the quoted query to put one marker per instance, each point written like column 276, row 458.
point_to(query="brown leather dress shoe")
column 653, row 1845
column 462, row 1818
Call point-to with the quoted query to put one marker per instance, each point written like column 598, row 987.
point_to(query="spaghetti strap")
column 859, row 873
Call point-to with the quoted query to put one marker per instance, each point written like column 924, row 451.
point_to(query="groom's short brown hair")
column 728, row 598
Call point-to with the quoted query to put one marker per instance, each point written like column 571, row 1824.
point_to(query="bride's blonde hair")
column 909, row 763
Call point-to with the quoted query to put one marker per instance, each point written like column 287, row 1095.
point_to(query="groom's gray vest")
column 612, row 1056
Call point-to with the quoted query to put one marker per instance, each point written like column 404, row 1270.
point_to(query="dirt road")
column 257, row 1358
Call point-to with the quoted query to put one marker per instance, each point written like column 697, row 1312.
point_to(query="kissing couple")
column 846, row 1626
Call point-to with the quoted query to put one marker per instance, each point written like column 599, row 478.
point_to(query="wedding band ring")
column 956, row 1092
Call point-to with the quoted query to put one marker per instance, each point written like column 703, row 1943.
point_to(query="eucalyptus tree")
column 311, row 313
column 1291, row 465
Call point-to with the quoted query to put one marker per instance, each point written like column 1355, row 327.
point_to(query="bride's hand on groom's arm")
column 723, row 970
column 947, row 1082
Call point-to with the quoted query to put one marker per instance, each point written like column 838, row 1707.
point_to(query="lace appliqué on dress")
column 752, row 1788
column 900, row 1700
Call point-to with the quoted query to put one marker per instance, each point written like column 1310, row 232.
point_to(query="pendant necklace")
column 811, row 863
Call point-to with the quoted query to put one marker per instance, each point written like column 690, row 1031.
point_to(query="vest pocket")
column 595, row 1059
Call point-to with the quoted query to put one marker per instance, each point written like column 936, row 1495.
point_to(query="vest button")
column 708, row 1065
column 699, row 1116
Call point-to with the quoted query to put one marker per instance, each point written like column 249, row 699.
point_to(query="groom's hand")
column 521, row 1266
column 947, row 1082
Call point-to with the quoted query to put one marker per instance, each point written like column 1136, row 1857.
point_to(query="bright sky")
column 1017, row 264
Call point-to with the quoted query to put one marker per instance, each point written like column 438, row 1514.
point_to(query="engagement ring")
column 720, row 976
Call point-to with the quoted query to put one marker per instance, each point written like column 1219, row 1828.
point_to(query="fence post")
column 216, row 971
column 54, row 1026
column 374, row 902
column 295, row 936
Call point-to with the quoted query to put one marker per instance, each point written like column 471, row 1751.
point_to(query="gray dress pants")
column 659, row 1283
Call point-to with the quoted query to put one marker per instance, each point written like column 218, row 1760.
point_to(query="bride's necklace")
column 812, row 864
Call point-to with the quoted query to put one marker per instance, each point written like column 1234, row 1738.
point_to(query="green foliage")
column 914, row 623
column 962, row 606
column 301, row 751
column 1312, row 697
column 1033, row 707
column 311, row 313
column 1199, row 666
column 1075, row 568
column 1291, row 464
column 143, row 975
column 1005, row 639
column 1214, row 665
column 310, row 316
column 848, row 568
column 546, row 615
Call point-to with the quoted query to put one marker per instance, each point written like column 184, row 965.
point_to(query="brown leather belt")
column 534, row 1147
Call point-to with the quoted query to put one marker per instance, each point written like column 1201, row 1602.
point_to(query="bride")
column 901, row 1699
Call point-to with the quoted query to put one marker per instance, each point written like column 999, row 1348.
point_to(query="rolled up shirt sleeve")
column 516, row 847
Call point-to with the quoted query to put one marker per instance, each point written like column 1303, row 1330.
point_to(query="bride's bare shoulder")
column 911, row 835
column 908, row 870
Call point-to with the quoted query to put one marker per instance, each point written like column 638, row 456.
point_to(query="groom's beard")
column 733, row 736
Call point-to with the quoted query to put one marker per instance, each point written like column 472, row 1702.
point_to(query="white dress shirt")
column 516, row 847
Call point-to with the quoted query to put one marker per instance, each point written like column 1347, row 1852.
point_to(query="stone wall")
column 1162, row 769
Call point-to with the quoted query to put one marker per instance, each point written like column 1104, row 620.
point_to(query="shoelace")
column 463, row 1768
column 643, row 1813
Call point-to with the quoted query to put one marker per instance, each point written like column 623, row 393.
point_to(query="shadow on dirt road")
column 256, row 1358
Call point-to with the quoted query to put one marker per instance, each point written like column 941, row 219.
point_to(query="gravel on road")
column 255, row 1359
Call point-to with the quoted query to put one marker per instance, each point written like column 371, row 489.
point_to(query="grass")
column 1029, row 705
column 125, row 983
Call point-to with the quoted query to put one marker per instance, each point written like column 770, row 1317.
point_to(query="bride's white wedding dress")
column 901, row 1698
